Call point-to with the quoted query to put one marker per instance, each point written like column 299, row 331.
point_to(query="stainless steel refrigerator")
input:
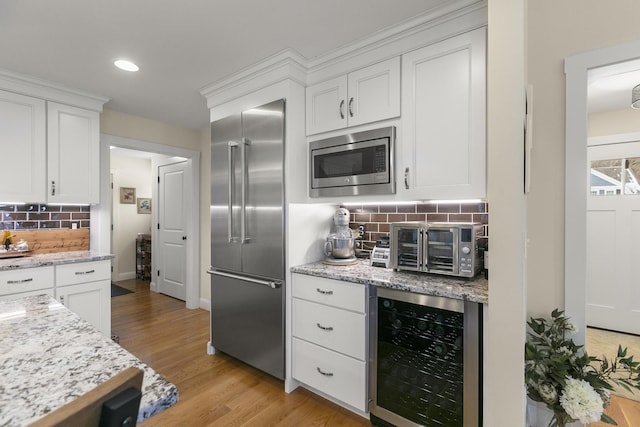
column 247, row 237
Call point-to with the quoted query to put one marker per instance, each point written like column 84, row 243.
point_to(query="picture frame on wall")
column 144, row 205
column 127, row 195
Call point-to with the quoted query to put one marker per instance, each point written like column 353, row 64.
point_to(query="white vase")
column 538, row 415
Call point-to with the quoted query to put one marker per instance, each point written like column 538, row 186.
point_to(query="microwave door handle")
column 232, row 181
column 245, row 183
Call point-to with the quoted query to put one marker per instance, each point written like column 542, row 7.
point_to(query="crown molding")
column 430, row 18
column 437, row 24
column 32, row 86
column 441, row 22
column 284, row 65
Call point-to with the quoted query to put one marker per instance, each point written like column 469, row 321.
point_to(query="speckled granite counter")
column 475, row 290
column 49, row 356
column 41, row 260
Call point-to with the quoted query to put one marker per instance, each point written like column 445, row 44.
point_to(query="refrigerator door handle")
column 273, row 284
column 232, row 180
column 245, row 183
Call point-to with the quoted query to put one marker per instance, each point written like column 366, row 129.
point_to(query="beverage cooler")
column 426, row 361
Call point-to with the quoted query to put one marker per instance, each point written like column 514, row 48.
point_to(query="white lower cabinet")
column 85, row 289
column 26, row 281
column 330, row 338
column 91, row 301
column 335, row 374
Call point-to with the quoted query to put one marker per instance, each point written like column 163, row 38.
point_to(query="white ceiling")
column 180, row 46
column 610, row 87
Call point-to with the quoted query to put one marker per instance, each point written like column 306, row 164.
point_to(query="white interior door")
column 172, row 230
column 613, row 238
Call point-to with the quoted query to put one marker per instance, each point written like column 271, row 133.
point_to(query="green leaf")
column 607, row 419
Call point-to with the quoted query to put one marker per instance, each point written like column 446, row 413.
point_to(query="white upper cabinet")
column 362, row 96
column 73, row 160
column 443, row 120
column 23, row 148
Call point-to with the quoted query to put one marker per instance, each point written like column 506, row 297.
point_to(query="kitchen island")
column 475, row 289
column 49, row 356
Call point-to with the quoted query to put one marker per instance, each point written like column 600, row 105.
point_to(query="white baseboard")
column 205, row 304
column 126, row 276
column 153, row 286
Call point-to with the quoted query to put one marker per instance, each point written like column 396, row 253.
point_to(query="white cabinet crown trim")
column 441, row 22
column 32, row 86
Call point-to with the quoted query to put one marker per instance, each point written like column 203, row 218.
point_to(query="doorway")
column 579, row 69
column 160, row 155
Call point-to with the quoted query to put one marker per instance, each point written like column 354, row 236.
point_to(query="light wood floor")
column 214, row 390
column 626, row 412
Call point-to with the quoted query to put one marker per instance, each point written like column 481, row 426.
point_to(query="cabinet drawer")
column 333, row 328
column 339, row 376
column 82, row 272
column 47, row 291
column 350, row 296
column 25, row 280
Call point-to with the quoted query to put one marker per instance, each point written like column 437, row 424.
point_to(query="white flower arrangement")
column 572, row 384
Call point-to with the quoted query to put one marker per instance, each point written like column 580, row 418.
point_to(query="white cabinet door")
column 326, row 106
column 374, row 93
column 443, row 120
column 73, row 154
column 23, row 148
column 91, row 301
column 363, row 96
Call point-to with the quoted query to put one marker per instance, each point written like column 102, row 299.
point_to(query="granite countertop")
column 475, row 289
column 49, row 357
column 42, row 260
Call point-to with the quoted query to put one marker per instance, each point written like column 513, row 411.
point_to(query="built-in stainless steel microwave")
column 354, row 164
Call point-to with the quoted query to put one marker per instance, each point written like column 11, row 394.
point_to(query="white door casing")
column 172, row 233
column 613, row 251
column 101, row 221
column 576, row 175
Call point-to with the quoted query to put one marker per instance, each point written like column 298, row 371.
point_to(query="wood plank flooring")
column 214, row 390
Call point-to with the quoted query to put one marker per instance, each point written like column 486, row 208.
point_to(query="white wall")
column 555, row 31
column 127, row 222
column 135, row 127
column 505, row 313
column 614, row 122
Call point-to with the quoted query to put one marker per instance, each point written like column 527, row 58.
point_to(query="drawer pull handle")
column 13, row 282
column 326, row 374
column 84, row 272
column 324, row 292
column 325, row 328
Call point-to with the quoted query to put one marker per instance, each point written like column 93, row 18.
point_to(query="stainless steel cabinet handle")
column 13, row 282
column 324, row 292
column 351, row 107
column 53, row 188
column 342, row 109
column 406, row 178
column 325, row 328
column 232, row 182
column 326, row 374
column 84, row 272
column 245, row 183
column 61, row 298
column 273, row 284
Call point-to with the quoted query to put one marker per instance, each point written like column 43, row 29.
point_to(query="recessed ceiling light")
column 123, row 64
